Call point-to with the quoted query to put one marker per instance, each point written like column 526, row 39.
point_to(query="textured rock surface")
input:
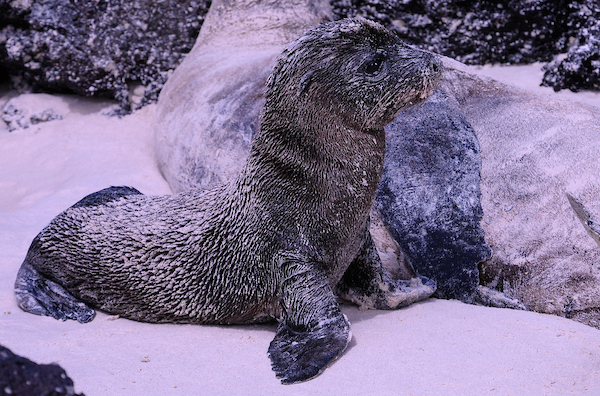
column 125, row 49
column 119, row 49
column 26, row 110
column 21, row 376
column 506, row 31
column 580, row 68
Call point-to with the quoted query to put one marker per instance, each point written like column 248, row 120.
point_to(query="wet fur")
column 275, row 242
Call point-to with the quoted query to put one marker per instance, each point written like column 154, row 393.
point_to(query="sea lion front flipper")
column 591, row 225
column 494, row 298
column 367, row 283
column 313, row 331
column 41, row 296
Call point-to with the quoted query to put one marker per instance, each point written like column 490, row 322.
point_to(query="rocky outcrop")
column 126, row 50
column 505, row 31
column 580, row 67
column 121, row 49
column 21, row 376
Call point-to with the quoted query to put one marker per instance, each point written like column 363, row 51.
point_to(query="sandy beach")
column 436, row 347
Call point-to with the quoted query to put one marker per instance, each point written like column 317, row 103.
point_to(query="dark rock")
column 26, row 110
column 125, row 50
column 506, row 31
column 429, row 196
column 21, row 376
column 476, row 32
column 580, row 69
column 120, row 49
column 15, row 117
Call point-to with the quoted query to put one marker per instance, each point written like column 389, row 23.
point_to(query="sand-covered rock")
column 26, row 110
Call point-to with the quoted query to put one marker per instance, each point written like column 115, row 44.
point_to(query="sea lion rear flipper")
column 367, row 283
column 41, row 296
column 313, row 331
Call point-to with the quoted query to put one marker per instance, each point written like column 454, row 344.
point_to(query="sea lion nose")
column 434, row 66
column 436, row 63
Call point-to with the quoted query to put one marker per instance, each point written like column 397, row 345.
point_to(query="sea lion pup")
column 275, row 242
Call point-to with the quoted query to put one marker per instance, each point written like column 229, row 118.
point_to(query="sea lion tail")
column 41, row 296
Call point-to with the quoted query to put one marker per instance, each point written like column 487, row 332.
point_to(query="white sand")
column 432, row 348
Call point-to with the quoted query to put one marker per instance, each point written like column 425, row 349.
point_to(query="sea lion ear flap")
column 305, row 82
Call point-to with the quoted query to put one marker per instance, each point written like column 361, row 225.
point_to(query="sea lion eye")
column 373, row 64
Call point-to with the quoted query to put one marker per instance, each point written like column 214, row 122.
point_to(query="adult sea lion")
column 429, row 201
column 537, row 151
column 209, row 108
column 275, row 242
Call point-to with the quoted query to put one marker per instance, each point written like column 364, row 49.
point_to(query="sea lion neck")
column 318, row 145
column 294, row 162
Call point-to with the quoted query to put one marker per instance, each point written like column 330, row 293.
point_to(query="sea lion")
column 429, row 199
column 209, row 109
column 535, row 149
column 275, row 242
column 429, row 196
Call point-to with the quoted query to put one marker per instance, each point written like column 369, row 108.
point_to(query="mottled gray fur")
column 276, row 241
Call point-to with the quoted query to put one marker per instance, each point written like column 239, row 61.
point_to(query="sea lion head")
column 352, row 72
